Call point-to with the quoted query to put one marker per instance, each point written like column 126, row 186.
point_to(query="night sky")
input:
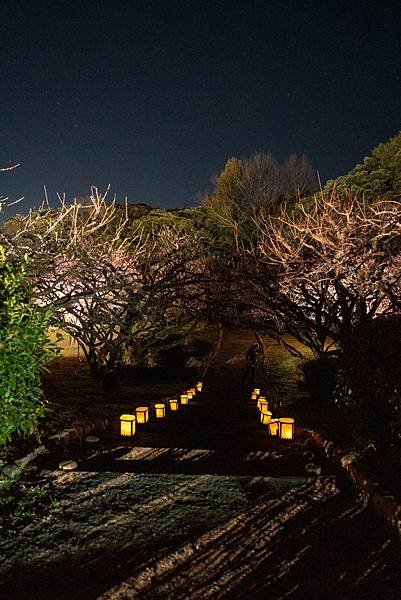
column 153, row 97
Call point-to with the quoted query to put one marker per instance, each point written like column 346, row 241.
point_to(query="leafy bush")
column 320, row 377
column 20, row 502
column 24, row 350
column 378, row 175
column 369, row 383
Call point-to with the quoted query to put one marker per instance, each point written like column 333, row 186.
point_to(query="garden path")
column 204, row 505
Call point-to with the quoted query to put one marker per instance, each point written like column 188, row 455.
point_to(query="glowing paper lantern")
column 193, row 390
column 173, row 404
column 127, row 425
column 262, row 399
column 256, row 391
column 160, row 410
column 263, row 406
column 273, row 426
column 254, row 396
column 184, row 398
column 189, row 395
column 199, row 386
column 265, row 417
column 142, row 414
column 286, row 428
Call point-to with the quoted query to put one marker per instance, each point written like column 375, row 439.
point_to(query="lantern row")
column 128, row 422
column 282, row 427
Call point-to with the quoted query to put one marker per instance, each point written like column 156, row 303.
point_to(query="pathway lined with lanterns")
column 204, row 504
column 223, row 429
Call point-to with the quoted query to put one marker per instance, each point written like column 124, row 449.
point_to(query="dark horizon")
column 153, row 98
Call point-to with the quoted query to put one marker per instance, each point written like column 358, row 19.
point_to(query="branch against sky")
column 5, row 200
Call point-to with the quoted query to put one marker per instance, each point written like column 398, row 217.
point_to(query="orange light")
column 265, row 417
column 286, row 428
column 142, row 414
column 273, row 426
column 160, row 410
column 127, row 425
column 173, row 404
column 262, row 400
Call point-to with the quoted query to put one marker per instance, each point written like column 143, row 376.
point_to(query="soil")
column 201, row 504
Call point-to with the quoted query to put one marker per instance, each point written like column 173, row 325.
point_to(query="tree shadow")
column 311, row 540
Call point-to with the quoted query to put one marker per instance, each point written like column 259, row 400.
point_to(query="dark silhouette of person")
column 252, row 358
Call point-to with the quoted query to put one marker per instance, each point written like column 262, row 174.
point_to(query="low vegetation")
column 24, row 350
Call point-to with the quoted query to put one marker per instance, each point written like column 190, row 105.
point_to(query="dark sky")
column 154, row 96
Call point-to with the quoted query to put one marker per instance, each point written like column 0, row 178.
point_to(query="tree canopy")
column 378, row 175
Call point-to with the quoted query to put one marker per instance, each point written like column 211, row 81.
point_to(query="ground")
column 203, row 505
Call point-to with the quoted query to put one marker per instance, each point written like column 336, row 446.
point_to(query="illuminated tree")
column 113, row 284
column 335, row 265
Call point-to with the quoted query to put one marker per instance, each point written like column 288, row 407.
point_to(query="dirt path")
column 204, row 505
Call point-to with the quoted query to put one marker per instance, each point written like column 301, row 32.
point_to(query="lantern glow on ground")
column 160, row 410
column 173, row 404
column 142, row 414
column 286, row 428
column 127, row 425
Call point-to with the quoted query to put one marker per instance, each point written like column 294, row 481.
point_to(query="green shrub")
column 369, row 382
column 378, row 175
column 320, row 377
column 24, row 350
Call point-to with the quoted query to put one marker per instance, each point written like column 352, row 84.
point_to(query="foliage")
column 378, row 175
column 369, row 385
column 21, row 502
column 260, row 182
column 191, row 347
column 246, row 190
column 24, row 350
column 320, row 376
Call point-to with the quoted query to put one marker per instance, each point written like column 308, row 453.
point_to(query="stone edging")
column 76, row 434
column 62, row 439
column 383, row 503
